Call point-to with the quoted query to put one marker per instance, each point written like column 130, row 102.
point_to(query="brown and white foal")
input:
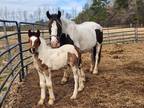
column 47, row 59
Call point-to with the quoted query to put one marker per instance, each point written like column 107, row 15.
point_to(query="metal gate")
column 14, row 55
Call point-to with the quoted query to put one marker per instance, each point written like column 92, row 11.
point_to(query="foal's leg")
column 97, row 58
column 82, row 72
column 42, row 86
column 50, row 88
column 81, row 81
column 75, row 73
column 65, row 77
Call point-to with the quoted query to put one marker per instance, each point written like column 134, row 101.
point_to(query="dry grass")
column 120, row 83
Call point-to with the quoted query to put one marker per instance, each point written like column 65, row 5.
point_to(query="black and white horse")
column 87, row 36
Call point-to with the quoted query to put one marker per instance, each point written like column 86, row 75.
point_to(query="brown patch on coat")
column 72, row 59
column 43, row 67
column 78, row 51
column 79, row 56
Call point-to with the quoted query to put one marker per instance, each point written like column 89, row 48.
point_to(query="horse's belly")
column 58, row 62
column 87, row 47
column 87, row 43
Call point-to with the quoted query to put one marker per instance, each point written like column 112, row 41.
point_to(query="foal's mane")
column 43, row 42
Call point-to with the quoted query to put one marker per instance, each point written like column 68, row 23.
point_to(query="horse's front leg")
column 49, row 86
column 42, row 86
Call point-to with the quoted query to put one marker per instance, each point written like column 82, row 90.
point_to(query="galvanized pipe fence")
column 15, row 59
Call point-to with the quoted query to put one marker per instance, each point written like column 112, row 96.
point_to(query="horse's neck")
column 68, row 26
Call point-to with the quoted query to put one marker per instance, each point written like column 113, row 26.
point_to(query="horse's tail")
column 99, row 38
column 99, row 58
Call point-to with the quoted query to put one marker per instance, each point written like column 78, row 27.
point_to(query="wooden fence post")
column 136, row 34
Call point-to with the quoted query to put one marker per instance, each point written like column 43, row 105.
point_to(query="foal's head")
column 34, row 41
column 55, row 28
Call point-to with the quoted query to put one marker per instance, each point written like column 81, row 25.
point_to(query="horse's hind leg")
column 97, row 49
column 42, row 86
column 97, row 58
column 93, row 54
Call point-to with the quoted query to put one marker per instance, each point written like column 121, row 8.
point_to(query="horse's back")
column 69, row 48
column 87, row 34
column 90, row 25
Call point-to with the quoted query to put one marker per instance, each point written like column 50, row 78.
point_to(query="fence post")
column 136, row 33
column 7, row 46
column 22, row 74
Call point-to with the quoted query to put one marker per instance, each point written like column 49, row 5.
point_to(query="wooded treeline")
column 116, row 12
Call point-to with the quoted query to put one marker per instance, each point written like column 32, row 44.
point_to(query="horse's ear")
column 48, row 15
column 38, row 33
column 59, row 14
column 29, row 33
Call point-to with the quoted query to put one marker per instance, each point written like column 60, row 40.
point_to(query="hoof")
column 84, row 79
column 95, row 72
column 41, row 101
column 91, row 69
column 51, row 102
column 80, row 89
column 73, row 97
column 63, row 82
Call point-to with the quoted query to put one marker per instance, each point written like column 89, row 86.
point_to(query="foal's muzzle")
column 32, row 50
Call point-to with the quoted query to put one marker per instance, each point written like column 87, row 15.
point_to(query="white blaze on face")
column 33, row 38
column 54, row 33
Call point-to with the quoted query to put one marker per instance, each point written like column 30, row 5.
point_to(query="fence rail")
column 123, row 35
column 15, row 58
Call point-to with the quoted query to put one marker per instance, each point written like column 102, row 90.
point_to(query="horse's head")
column 55, row 28
column 34, row 41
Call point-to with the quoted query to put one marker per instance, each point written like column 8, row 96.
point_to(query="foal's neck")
column 43, row 46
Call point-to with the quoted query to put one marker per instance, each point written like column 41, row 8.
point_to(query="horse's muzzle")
column 55, row 45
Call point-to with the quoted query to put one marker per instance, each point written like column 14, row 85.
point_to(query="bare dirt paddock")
column 120, row 83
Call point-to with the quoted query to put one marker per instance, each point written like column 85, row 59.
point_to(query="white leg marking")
column 92, row 61
column 81, row 81
column 50, row 88
column 91, row 67
column 95, row 71
column 82, row 74
column 75, row 73
column 42, row 86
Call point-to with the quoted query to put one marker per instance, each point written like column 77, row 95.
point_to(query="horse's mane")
column 67, row 21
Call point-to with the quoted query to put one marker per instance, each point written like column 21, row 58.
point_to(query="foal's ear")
column 48, row 15
column 38, row 33
column 59, row 14
column 29, row 33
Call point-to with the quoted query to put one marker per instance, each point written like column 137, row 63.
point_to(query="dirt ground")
column 119, row 84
